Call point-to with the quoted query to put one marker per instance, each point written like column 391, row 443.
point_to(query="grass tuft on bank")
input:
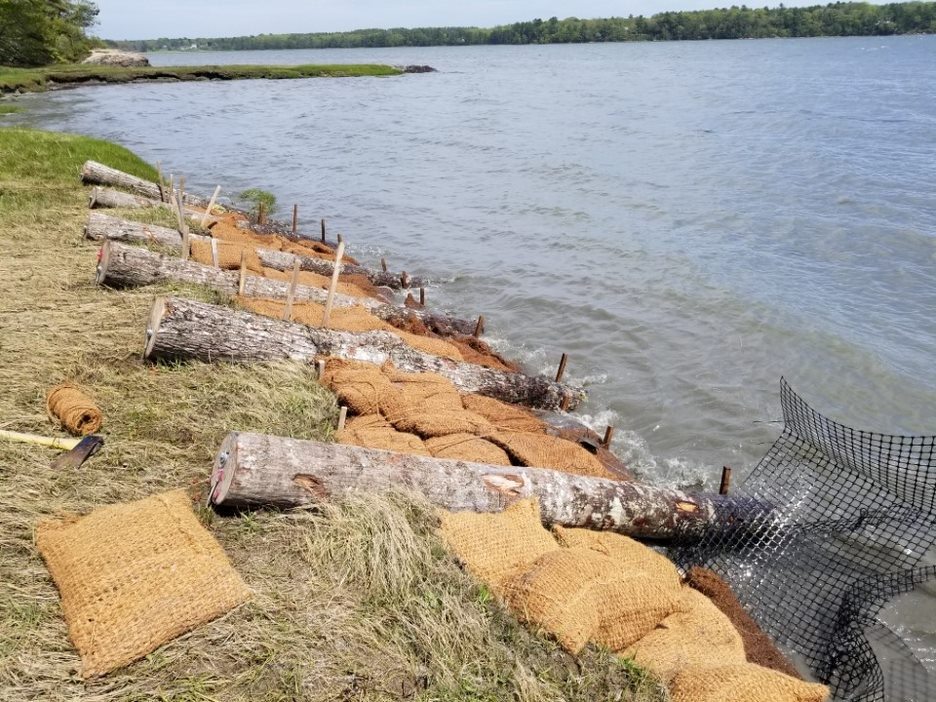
column 356, row 601
column 73, row 75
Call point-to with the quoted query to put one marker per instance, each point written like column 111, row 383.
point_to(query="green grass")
column 357, row 601
column 48, row 77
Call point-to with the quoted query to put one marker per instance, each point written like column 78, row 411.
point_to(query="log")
column 125, row 266
column 185, row 329
column 94, row 173
column 109, row 198
column 101, row 226
column 256, row 470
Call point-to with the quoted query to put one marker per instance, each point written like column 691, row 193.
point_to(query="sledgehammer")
column 77, row 451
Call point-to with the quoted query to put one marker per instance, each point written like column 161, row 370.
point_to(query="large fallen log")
column 125, row 266
column 253, row 470
column 94, row 173
column 185, row 329
column 108, row 197
column 101, row 226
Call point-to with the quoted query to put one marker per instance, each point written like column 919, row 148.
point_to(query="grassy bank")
column 356, row 602
column 52, row 77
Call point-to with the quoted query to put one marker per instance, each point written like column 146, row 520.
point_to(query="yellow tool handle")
column 50, row 441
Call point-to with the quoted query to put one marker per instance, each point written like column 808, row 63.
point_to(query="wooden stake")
column 291, row 293
column 171, row 185
column 330, row 300
column 211, row 203
column 183, row 227
column 214, row 252
column 342, row 416
column 320, row 367
column 562, row 367
column 162, row 193
column 295, row 218
column 404, row 279
column 609, row 432
column 422, row 297
column 383, row 264
column 243, row 273
column 564, row 404
column 323, row 231
column 479, row 327
column 725, row 481
column 260, row 212
column 339, row 238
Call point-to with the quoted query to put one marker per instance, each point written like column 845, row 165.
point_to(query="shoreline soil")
column 24, row 80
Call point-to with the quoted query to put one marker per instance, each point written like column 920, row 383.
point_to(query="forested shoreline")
column 837, row 19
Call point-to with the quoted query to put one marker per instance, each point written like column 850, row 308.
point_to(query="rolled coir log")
column 185, row 329
column 259, row 470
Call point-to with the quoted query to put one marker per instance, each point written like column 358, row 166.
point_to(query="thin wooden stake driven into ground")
column 295, row 218
column 609, row 432
column 725, row 481
column 404, row 279
column 422, row 297
column 383, row 264
column 323, row 231
column 564, row 404
column 562, row 367
column 333, row 286
column 291, row 295
column 159, row 182
column 479, row 327
column 342, row 417
column 211, row 203
column 214, row 253
column 320, row 368
column 171, row 187
column 339, row 238
column 242, row 281
column 183, row 227
column 260, row 212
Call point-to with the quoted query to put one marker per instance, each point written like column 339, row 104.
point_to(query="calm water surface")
column 690, row 221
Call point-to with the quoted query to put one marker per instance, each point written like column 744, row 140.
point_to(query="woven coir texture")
column 74, row 409
column 495, row 547
column 758, row 647
column 134, row 576
column 429, row 406
column 745, row 682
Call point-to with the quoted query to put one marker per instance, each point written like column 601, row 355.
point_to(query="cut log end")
column 104, row 258
column 222, row 472
column 152, row 325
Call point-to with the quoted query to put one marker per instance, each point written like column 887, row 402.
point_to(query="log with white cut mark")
column 101, row 226
column 252, row 470
column 125, row 266
column 185, row 329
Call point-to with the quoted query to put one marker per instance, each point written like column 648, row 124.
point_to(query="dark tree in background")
column 40, row 32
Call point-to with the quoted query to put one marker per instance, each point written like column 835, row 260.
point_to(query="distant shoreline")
column 833, row 20
column 37, row 80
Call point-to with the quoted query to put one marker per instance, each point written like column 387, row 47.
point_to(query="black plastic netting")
column 854, row 518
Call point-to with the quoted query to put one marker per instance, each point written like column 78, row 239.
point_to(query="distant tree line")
column 837, row 19
column 40, row 32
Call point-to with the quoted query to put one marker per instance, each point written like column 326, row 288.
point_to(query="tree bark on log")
column 125, row 266
column 94, row 173
column 185, row 329
column 252, row 470
column 108, row 197
column 101, row 226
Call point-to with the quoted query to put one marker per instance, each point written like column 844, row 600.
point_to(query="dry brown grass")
column 358, row 601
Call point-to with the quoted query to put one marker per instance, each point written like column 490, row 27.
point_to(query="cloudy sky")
column 122, row 19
